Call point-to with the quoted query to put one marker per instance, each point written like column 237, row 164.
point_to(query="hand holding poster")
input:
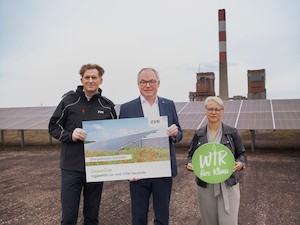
column 213, row 163
column 126, row 148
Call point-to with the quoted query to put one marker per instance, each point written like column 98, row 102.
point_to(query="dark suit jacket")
column 134, row 109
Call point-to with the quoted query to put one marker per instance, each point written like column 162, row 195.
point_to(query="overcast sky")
column 43, row 44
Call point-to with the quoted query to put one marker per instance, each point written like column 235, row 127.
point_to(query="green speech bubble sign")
column 213, row 163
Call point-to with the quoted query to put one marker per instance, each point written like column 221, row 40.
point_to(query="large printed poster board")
column 124, row 149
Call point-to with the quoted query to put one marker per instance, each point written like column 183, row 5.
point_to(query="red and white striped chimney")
column 223, row 92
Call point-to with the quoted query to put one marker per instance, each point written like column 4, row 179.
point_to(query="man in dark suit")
column 151, row 106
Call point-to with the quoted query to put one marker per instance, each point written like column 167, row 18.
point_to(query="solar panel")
column 242, row 114
column 255, row 121
column 230, row 118
column 116, row 144
column 193, row 107
column 286, row 105
column 256, row 106
column 190, row 120
column 12, row 123
column 154, row 142
column 25, row 118
column 287, row 120
column 180, row 106
column 232, row 106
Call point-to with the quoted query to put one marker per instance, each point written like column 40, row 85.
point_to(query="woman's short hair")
column 215, row 99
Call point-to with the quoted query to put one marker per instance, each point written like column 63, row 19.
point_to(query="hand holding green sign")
column 213, row 163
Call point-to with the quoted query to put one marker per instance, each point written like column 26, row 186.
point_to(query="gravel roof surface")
column 30, row 190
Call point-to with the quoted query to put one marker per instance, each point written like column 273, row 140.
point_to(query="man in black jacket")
column 85, row 104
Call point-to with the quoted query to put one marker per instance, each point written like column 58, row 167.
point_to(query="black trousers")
column 73, row 183
column 140, row 192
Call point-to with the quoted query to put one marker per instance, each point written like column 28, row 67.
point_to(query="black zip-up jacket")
column 69, row 114
column 231, row 139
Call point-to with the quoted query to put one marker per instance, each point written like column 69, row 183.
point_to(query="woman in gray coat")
column 219, row 203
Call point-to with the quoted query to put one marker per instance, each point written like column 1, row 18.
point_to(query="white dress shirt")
column 150, row 111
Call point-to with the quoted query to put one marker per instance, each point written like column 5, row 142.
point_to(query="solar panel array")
column 247, row 114
column 283, row 114
column 27, row 118
column 116, row 143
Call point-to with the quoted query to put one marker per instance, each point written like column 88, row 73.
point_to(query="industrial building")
column 205, row 85
column 256, row 84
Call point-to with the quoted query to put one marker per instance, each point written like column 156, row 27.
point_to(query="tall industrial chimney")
column 223, row 92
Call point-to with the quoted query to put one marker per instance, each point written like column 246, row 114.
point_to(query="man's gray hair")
column 148, row 68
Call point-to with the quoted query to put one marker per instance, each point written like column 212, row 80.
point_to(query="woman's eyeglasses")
column 217, row 110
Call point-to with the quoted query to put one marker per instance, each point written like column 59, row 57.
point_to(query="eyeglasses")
column 217, row 110
column 145, row 82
